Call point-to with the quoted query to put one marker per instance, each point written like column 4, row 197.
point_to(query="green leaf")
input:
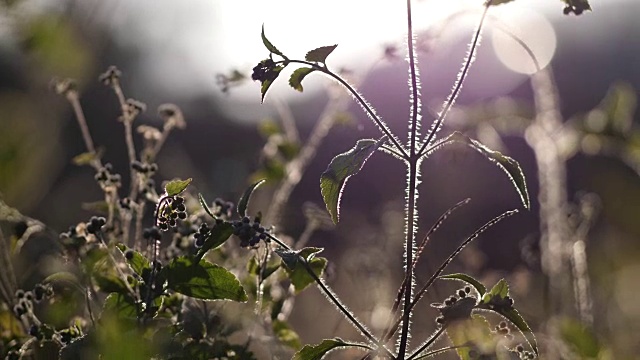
column 86, row 158
column 266, row 84
column 497, row 300
column 481, row 289
column 286, row 334
column 516, row 319
column 216, row 237
column 64, row 277
column 505, row 163
column 320, row 54
column 244, row 200
column 204, row 205
column 121, row 305
column 299, row 276
column 580, row 339
column 468, row 334
column 176, row 187
column 501, row 290
column 269, row 45
column 138, row 262
column 107, row 278
column 295, row 81
column 202, row 280
column 317, row 352
column 342, row 167
column 497, row 2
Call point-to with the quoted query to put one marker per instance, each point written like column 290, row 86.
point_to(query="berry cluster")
column 500, row 304
column 249, row 233
column 266, row 70
column 106, row 178
column 503, row 329
column 524, row 355
column 144, row 168
column 170, row 210
column 449, row 302
column 25, row 299
column 95, row 224
column 203, row 232
column 222, row 208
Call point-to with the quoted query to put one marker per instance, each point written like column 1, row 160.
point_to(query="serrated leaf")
column 244, row 200
column 202, row 280
column 269, row 45
column 317, row 352
column 107, row 278
column 286, row 334
column 505, row 163
column 138, row 262
column 295, row 81
column 216, row 237
column 320, row 54
column 176, row 187
column 205, row 207
column 480, row 288
column 341, row 168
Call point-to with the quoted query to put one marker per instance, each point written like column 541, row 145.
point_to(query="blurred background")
column 186, row 53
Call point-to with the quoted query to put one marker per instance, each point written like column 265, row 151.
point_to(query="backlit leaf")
column 244, row 200
column 295, row 81
column 176, row 187
column 317, row 352
column 481, row 289
column 342, row 167
column 269, row 45
column 320, row 54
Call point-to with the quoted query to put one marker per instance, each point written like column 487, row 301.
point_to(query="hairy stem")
column 458, row 86
column 372, row 114
column 74, row 100
column 428, row 343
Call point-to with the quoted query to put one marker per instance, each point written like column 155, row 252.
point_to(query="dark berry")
column 462, row 293
column 246, row 220
column 467, row 289
column 182, row 215
column 33, row 330
column 19, row 293
column 129, row 254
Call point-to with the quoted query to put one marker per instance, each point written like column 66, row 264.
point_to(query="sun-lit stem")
column 475, row 42
column 365, row 105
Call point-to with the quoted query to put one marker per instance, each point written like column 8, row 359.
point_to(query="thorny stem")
column 411, row 211
column 458, row 86
column 382, row 126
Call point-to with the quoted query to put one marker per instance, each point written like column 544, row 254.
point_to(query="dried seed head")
column 110, row 76
column 64, row 86
column 172, row 116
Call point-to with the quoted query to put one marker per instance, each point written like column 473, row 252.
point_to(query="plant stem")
column 428, row 343
column 458, row 86
column 74, row 100
column 413, row 81
column 325, row 289
column 372, row 114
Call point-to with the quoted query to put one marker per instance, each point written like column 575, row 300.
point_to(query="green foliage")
column 320, row 54
column 317, row 352
column 202, row 280
column 176, row 187
column 244, row 200
column 342, row 167
column 215, row 238
column 295, row 81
